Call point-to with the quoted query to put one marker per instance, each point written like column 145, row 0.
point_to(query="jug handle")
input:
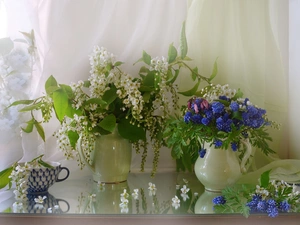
column 82, row 155
column 246, row 155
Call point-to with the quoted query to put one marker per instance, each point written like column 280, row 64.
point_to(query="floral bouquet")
column 112, row 99
column 219, row 116
column 271, row 197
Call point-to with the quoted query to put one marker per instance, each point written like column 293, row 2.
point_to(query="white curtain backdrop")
column 248, row 37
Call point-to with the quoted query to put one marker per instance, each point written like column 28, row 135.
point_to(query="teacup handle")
column 68, row 205
column 68, row 172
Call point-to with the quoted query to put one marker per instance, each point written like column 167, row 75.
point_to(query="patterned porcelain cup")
column 40, row 179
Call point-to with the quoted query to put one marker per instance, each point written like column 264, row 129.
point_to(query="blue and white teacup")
column 40, row 179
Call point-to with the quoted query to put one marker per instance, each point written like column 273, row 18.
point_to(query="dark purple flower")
column 219, row 200
column 234, row 146
column 217, row 107
column 218, row 143
column 202, row 152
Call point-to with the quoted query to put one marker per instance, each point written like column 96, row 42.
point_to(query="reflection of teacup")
column 50, row 205
column 40, row 179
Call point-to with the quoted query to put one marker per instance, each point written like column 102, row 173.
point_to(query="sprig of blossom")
column 270, row 197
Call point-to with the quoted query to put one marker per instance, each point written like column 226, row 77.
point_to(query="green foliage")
column 87, row 110
column 236, row 199
column 4, row 177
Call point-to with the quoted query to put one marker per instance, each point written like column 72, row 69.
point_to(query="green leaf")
column 183, row 42
column 40, row 129
column 214, row 72
column 4, row 177
column 149, row 79
column 31, row 107
column 68, row 90
column 29, row 126
column 73, row 138
column 238, row 94
column 146, row 96
column 21, row 102
column 44, row 164
column 50, row 84
column 191, row 91
column 118, row 63
column 194, row 73
column 108, row 123
column 172, row 53
column 265, row 179
column 97, row 101
column 86, row 83
column 173, row 79
column 61, row 103
column 130, row 131
column 110, row 95
column 146, row 58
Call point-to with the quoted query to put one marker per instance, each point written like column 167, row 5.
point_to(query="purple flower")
column 217, row 107
column 284, row 206
column 272, row 211
column 218, row 143
column 234, row 106
column 202, row 152
column 187, row 117
column 205, row 121
column 219, row 200
column 234, row 146
column 262, row 206
column 196, row 119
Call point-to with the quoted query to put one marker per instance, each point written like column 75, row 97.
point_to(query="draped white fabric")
column 239, row 34
column 66, row 32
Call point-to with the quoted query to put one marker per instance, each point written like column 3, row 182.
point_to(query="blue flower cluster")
column 225, row 115
column 269, row 206
column 219, row 200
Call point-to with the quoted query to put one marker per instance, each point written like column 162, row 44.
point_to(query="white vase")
column 111, row 159
column 220, row 168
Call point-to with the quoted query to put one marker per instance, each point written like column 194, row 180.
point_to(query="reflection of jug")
column 204, row 204
column 49, row 202
column 108, row 199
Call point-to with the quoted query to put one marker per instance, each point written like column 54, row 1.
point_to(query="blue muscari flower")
column 234, row 106
column 223, row 97
column 205, row 121
column 234, row 146
column 220, row 123
column 253, row 203
column 202, row 152
column 284, row 206
column 272, row 211
column 262, row 206
column 209, row 114
column 219, row 200
column 196, row 119
column 187, row 117
column 218, row 143
column 271, row 202
column 217, row 107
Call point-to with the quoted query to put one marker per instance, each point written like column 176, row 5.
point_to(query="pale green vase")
column 111, row 159
column 220, row 168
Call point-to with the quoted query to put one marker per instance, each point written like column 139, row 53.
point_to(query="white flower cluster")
column 19, row 176
column 15, row 73
column 218, row 90
column 184, row 194
column 124, row 202
column 159, row 64
column 76, row 124
column 280, row 187
column 99, row 59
